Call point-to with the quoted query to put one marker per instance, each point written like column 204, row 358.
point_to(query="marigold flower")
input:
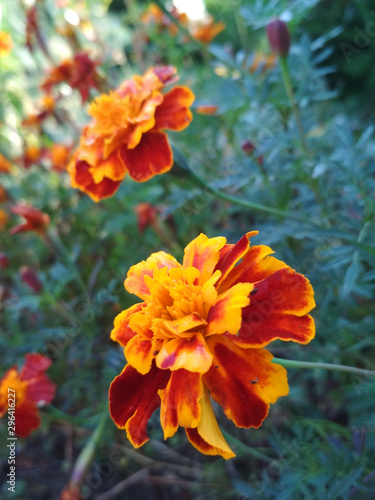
column 5, row 165
column 206, row 31
column 3, row 219
column 59, row 155
column 263, row 61
column 35, row 220
column 126, row 133
column 154, row 15
column 31, row 389
column 79, row 72
column 6, row 43
column 200, row 333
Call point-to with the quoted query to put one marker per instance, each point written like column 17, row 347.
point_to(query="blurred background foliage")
column 317, row 443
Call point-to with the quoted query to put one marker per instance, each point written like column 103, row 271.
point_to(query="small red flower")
column 35, row 220
column 30, row 277
column 79, row 72
column 30, row 388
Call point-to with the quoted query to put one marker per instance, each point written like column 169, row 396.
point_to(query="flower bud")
column 30, row 277
column 248, row 147
column 278, row 37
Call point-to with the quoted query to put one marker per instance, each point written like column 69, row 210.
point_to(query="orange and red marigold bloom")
column 126, row 133
column 200, row 333
column 79, row 72
column 30, row 388
column 35, row 220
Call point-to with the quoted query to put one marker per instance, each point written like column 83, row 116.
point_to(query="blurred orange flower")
column 47, row 108
column 126, row 133
column 5, row 165
column 206, row 109
column 200, row 333
column 263, row 61
column 3, row 220
column 59, row 155
column 3, row 194
column 32, row 154
column 79, row 72
column 154, row 15
column 6, row 43
column 35, row 220
column 22, row 392
column 207, row 30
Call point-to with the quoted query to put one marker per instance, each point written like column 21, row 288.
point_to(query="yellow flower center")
column 110, row 112
column 13, row 382
column 176, row 306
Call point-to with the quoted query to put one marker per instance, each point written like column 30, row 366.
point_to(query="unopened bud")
column 248, row 147
column 278, row 37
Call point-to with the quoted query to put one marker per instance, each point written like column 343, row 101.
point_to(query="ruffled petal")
column 180, row 402
column 226, row 314
column 285, row 291
column 203, row 253
column 111, row 168
column 40, row 390
column 27, row 418
column 35, row 364
column 152, row 156
column 231, row 254
column 191, row 354
column 207, row 437
column 174, row 113
column 135, row 282
column 259, row 330
column 255, row 266
column 133, row 398
column 139, row 352
column 121, row 332
column 81, row 178
column 244, row 381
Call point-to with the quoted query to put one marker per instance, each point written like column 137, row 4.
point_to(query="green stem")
column 181, row 164
column 289, row 363
column 55, row 412
column 87, row 454
column 289, row 90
